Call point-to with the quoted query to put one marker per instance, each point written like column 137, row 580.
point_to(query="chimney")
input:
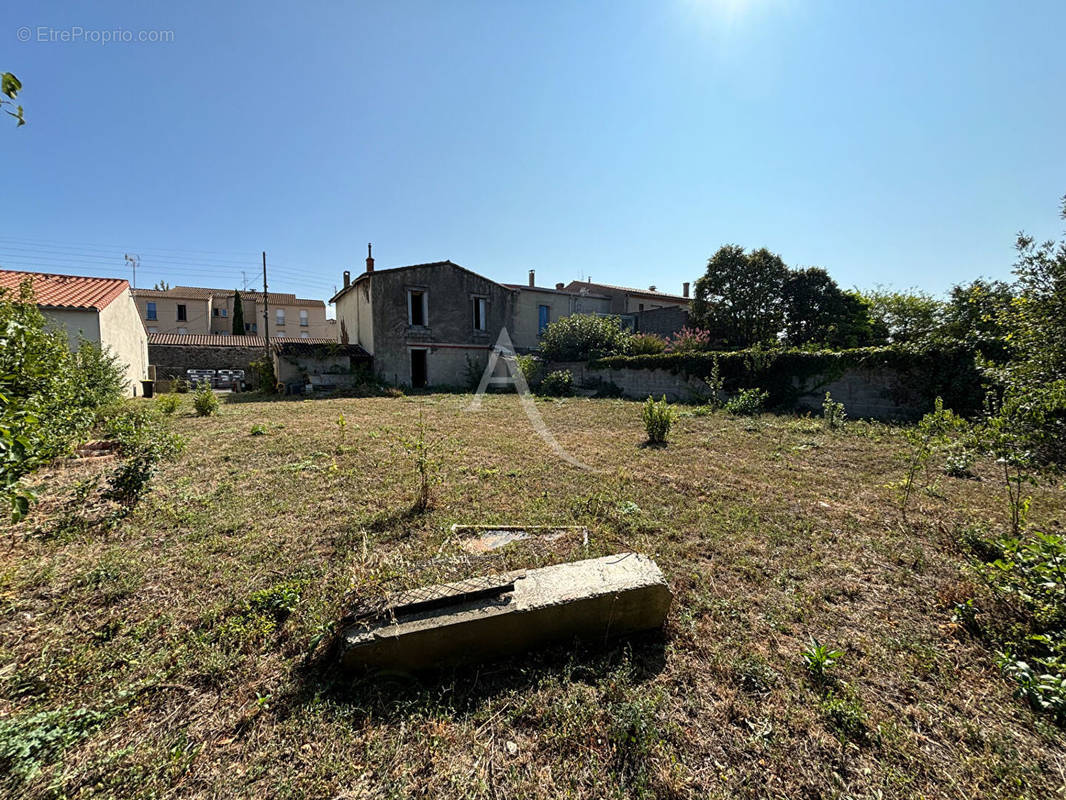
column 559, row 287
column 347, row 279
column 532, row 281
column 684, row 289
column 369, row 259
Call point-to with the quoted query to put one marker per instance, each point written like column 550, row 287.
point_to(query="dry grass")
column 175, row 628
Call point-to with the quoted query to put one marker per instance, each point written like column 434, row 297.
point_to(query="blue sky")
column 895, row 143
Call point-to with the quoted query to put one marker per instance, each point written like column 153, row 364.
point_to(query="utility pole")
column 266, row 309
column 133, row 260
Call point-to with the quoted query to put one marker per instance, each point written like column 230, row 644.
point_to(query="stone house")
column 99, row 310
column 625, row 300
column 193, row 310
column 536, row 307
column 426, row 324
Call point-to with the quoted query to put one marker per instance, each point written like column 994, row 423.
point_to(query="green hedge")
column 926, row 373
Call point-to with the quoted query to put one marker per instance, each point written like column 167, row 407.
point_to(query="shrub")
column 833, row 413
column 48, row 396
column 645, row 344
column 204, row 400
column 144, row 440
column 690, row 340
column 557, row 384
column 532, row 369
column 580, row 337
column 658, row 416
column 258, row 430
column 168, row 403
column 747, row 403
column 181, row 386
column 263, row 370
column 1027, row 575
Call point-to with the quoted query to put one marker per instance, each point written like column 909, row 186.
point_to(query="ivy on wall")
column 923, row 373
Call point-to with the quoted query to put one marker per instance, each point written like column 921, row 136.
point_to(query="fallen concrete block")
column 504, row 614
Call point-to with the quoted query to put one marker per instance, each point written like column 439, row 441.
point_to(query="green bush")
column 144, row 441
column 204, row 400
column 580, row 337
column 168, row 403
column 557, row 384
column 658, row 416
column 48, row 396
column 532, row 369
column 645, row 344
column 747, row 402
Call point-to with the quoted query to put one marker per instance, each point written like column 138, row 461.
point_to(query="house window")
column 640, row 307
column 150, row 313
column 216, row 312
column 305, row 335
column 417, row 307
column 303, row 317
column 543, row 317
column 182, row 316
column 225, row 312
column 152, row 329
column 183, row 331
column 279, row 316
column 251, row 327
column 279, row 334
column 479, row 313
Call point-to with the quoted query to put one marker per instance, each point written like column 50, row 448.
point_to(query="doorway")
column 419, row 374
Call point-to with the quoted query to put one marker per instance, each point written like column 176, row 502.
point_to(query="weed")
column 936, row 430
column 833, row 413
column 747, row 403
column 258, row 430
column 820, row 658
column 845, row 715
column 28, row 742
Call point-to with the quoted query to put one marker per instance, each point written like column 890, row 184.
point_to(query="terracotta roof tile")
column 66, row 291
column 218, row 340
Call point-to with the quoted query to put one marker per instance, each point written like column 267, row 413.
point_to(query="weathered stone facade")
column 377, row 311
column 171, row 361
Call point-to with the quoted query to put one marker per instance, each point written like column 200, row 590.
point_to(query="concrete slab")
column 499, row 615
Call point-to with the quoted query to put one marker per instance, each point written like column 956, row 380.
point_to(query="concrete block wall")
column 638, row 384
column 865, row 393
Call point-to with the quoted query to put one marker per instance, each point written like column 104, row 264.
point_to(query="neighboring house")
column 425, row 324
column 625, row 300
column 195, row 310
column 322, row 365
column 536, row 307
column 99, row 310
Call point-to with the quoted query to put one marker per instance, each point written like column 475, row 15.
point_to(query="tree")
column 977, row 314
column 818, row 312
column 161, row 286
column 238, row 314
column 905, row 317
column 740, row 298
column 11, row 86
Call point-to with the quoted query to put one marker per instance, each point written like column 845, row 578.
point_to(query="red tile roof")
column 218, row 340
column 66, row 291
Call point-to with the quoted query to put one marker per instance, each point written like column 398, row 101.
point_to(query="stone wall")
column 663, row 322
column 865, row 393
column 637, row 384
column 171, row 360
